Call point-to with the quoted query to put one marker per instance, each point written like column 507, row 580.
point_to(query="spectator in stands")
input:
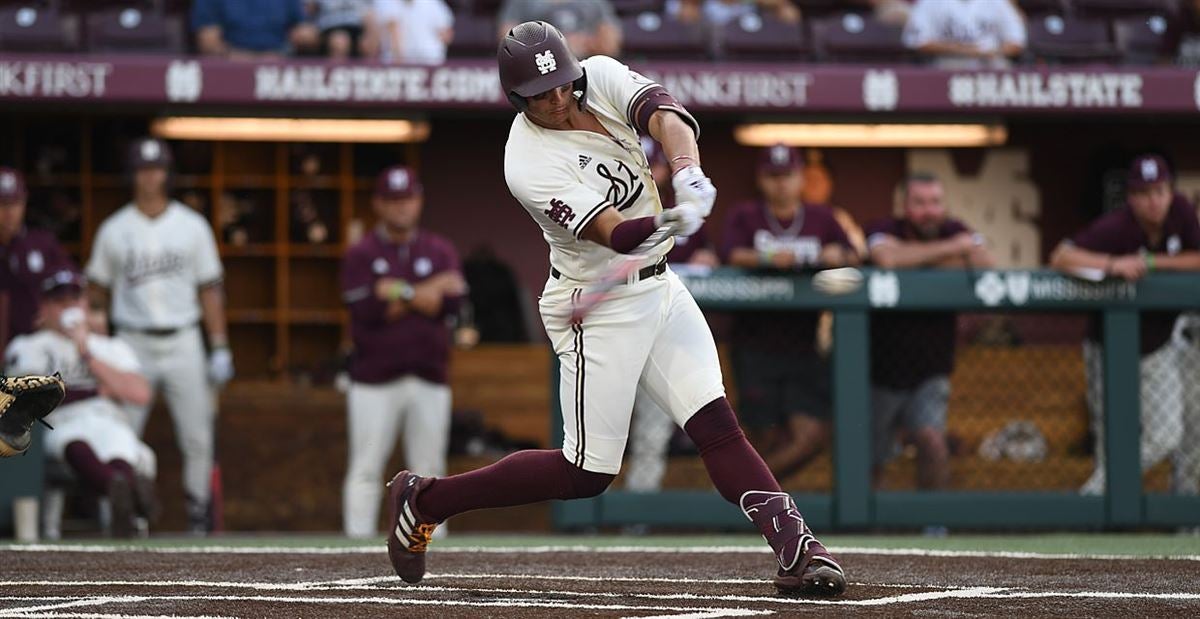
column 912, row 353
column 341, row 24
column 591, row 26
column 400, row 283
column 1157, row 229
column 721, row 12
column 780, row 376
column 26, row 258
column 90, row 433
column 248, row 30
column 966, row 33
column 412, row 31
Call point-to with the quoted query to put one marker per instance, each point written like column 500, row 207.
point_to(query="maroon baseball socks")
column 742, row 478
column 524, row 477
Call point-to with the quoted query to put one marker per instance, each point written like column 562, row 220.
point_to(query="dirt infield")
column 686, row 582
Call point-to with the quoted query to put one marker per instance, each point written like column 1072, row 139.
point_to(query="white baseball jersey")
column 85, row 416
column 986, row 23
column 154, row 266
column 565, row 178
column 647, row 343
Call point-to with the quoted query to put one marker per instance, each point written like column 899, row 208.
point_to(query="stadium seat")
column 754, row 37
column 812, row 9
column 134, row 30
column 857, row 37
column 28, row 28
column 653, row 35
column 474, row 37
column 636, row 7
column 1142, row 39
column 1057, row 38
column 1037, row 8
column 1115, row 8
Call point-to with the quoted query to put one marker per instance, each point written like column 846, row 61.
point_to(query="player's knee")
column 587, row 484
column 714, row 425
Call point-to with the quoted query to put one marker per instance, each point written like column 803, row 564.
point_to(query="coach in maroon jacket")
column 27, row 257
column 912, row 353
column 1156, row 229
column 781, row 378
column 400, row 283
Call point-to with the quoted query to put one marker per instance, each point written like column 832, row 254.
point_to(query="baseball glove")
column 24, row 400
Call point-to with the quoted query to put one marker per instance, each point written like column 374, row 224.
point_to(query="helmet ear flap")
column 518, row 101
column 580, row 86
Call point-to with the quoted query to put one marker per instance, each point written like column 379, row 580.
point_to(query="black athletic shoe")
column 120, row 498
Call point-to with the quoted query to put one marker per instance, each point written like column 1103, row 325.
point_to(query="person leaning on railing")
column 912, row 353
column 1157, row 229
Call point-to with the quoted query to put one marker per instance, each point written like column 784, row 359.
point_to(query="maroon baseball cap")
column 149, row 153
column 65, row 279
column 12, row 186
column 397, row 182
column 779, row 159
column 1147, row 170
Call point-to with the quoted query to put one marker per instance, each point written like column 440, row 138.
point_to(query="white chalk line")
column 390, row 601
column 58, row 615
column 357, row 550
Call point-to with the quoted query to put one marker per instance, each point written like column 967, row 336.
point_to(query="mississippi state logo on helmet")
column 533, row 58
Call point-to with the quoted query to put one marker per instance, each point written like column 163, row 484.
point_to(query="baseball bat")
column 618, row 275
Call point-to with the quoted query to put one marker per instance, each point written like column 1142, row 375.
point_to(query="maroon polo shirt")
column 415, row 343
column 1117, row 232
column 750, row 225
column 908, row 348
column 25, row 262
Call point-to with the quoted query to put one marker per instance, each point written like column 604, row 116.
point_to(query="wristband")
column 764, row 257
column 1149, row 258
column 400, row 290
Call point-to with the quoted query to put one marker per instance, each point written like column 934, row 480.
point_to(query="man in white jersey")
column 574, row 161
column 91, row 434
column 158, row 261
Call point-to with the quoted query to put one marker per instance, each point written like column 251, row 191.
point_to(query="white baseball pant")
column 176, row 365
column 1160, row 401
column 647, row 340
column 414, row 407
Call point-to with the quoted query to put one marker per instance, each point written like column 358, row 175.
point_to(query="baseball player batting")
column 159, row 261
column 574, row 161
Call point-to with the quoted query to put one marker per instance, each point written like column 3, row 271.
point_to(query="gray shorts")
column 923, row 406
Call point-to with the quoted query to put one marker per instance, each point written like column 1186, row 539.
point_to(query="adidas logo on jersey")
column 584, row 160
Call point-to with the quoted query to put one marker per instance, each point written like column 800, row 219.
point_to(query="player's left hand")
column 684, row 219
column 220, row 366
column 691, row 185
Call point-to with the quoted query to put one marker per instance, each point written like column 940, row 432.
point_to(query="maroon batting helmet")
column 534, row 57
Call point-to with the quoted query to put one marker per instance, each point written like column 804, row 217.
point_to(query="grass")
column 1132, row 544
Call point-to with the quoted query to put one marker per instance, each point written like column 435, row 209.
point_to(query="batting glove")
column 220, row 366
column 691, row 185
column 685, row 219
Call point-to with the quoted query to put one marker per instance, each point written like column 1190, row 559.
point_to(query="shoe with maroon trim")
column 410, row 532
column 805, row 566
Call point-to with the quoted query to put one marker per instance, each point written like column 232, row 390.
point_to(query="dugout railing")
column 853, row 503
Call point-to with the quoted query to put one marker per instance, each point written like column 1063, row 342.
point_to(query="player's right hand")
column 691, row 185
column 685, row 219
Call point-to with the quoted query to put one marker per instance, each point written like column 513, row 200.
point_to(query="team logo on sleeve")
column 560, row 212
column 545, row 62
